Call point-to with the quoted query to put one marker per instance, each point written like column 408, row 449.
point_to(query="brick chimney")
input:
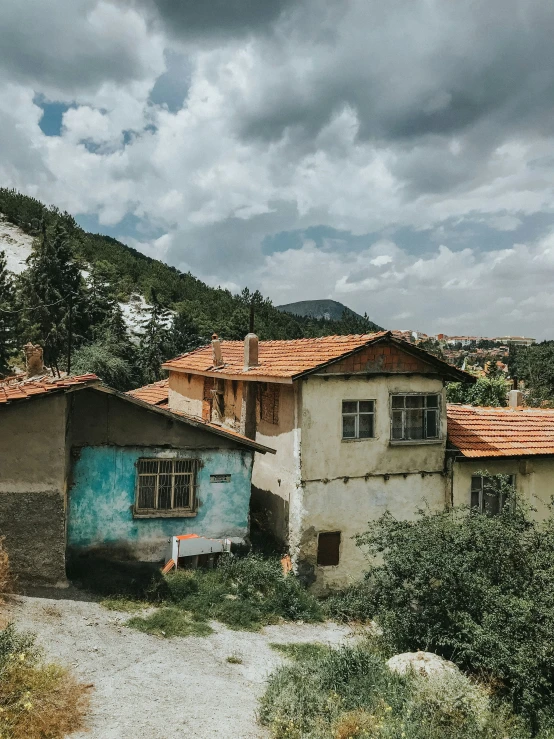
column 250, row 351
column 216, row 351
column 33, row 359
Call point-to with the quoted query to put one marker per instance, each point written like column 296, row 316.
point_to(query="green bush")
column 349, row 693
column 489, row 391
column 350, row 604
column 478, row 590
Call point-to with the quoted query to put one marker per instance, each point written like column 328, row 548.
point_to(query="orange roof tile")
column 155, row 394
column 500, row 432
column 11, row 390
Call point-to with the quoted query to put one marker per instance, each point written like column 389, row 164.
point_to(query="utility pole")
column 70, row 334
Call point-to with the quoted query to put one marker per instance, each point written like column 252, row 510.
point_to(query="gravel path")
column 155, row 688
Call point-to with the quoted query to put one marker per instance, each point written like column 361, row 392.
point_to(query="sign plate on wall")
column 220, row 478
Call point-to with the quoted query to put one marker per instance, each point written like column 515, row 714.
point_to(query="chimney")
column 515, row 398
column 250, row 351
column 33, row 359
column 216, row 351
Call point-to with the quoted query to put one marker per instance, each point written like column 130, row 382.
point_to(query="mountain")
column 137, row 278
column 329, row 310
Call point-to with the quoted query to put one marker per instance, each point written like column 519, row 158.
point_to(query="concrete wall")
column 102, row 497
column 344, row 483
column 33, row 487
column 276, row 476
column 534, row 479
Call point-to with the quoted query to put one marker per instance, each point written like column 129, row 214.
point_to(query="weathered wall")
column 534, row 479
column 379, row 358
column 102, row 497
column 33, row 486
column 276, row 476
column 186, row 393
column 345, row 483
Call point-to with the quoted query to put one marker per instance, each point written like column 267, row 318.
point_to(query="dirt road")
column 156, row 688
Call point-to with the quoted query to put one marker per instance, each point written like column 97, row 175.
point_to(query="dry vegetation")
column 37, row 700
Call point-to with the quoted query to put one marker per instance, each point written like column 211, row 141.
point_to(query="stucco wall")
column 103, row 494
column 275, row 477
column 186, row 393
column 32, row 487
column 534, row 479
column 344, row 483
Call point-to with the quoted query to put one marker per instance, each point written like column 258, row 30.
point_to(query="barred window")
column 166, row 486
column 415, row 417
column 269, row 403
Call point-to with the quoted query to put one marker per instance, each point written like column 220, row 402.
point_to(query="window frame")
column 356, row 416
column 480, row 507
column 438, row 439
column 173, row 512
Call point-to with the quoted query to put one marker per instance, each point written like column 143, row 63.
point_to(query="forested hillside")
column 68, row 300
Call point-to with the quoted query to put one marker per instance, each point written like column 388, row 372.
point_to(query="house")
column 513, row 441
column 86, row 469
column 358, row 424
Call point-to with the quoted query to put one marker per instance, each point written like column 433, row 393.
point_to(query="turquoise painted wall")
column 102, row 496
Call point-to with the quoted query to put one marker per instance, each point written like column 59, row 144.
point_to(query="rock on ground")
column 156, row 688
column 422, row 663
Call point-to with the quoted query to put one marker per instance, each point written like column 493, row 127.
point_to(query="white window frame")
column 153, row 467
column 425, row 439
column 481, row 491
column 356, row 415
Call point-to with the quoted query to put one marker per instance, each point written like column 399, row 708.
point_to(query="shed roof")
column 13, row 390
column 156, row 393
column 501, row 432
column 286, row 361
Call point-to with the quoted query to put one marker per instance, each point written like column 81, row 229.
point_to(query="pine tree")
column 185, row 335
column 7, row 316
column 52, row 295
column 155, row 342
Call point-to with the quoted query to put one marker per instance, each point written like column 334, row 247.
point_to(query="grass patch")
column 349, row 693
column 234, row 659
column 169, row 622
column 243, row 593
column 37, row 700
column 301, row 652
column 125, row 604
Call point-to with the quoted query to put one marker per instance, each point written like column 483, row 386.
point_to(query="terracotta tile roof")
column 500, row 432
column 285, row 359
column 155, row 394
column 11, row 390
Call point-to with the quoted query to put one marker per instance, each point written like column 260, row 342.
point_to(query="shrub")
column 478, row 590
column 37, row 700
column 491, row 391
column 168, row 622
column 6, row 581
column 349, row 693
column 243, row 592
column 350, row 604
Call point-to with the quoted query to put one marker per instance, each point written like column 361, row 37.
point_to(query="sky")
column 397, row 157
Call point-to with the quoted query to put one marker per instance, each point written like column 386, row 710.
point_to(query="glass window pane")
column 432, row 401
column 349, row 406
column 415, row 401
column 432, row 424
column 398, row 401
column 366, row 406
column 164, row 492
column 183, row 485
column 366, row 425
column 414, row 423
column 349, row 427
column 147, row 491
column 397, row 424
column 475, row 498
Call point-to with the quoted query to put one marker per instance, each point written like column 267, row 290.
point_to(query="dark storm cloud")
column 193, row 18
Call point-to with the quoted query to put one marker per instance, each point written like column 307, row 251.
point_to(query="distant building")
column 517, row 340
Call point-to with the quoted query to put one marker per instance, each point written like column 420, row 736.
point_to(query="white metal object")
column 192, row 545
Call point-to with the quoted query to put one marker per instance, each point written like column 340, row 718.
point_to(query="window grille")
column 358, row 419
column 415, row 417
column 166, row 485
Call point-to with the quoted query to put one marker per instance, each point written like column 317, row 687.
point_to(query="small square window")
column 328, row 548
column 358, row 419
column 415, row 417
column 166, row 487
column 484, row 497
